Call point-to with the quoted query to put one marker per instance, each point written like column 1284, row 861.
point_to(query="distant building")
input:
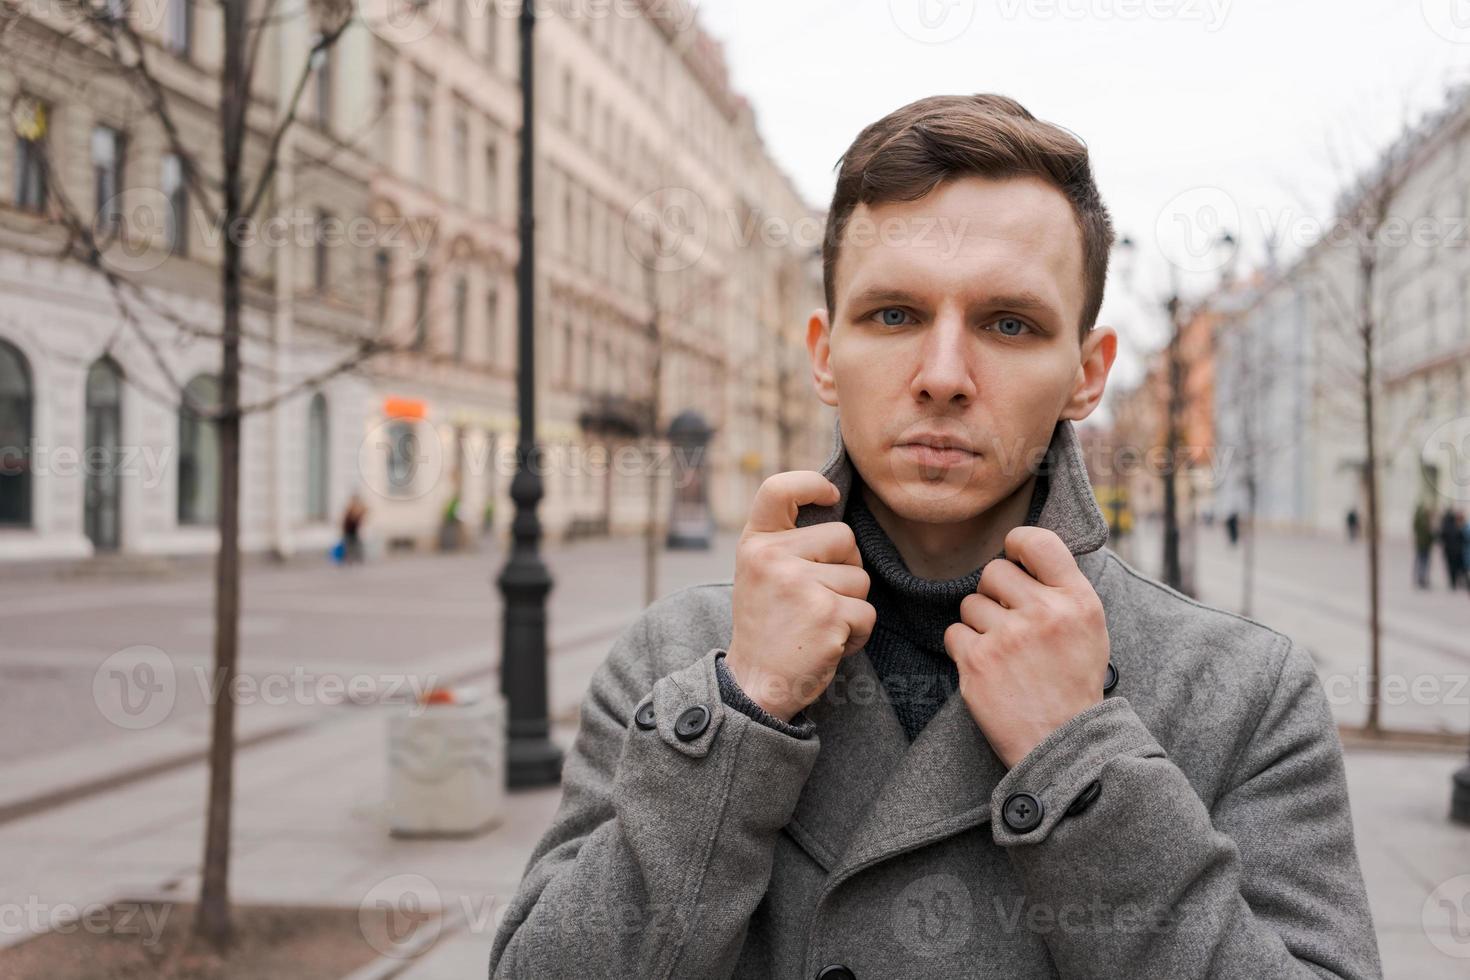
column 656, row 202
column 1294, row 356
column 98, row 449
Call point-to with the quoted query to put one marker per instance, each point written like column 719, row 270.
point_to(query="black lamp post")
column 532, row 759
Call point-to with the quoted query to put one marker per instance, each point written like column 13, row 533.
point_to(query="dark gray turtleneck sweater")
column 907, row 645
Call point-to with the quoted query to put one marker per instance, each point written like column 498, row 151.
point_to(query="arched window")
column 16, row 413
column 103, row 454
column 199, row 454
column 316, row 458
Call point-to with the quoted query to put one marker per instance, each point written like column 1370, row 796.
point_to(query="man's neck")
column 945, row 551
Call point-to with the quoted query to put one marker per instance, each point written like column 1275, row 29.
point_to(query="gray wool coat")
column 1219, row 843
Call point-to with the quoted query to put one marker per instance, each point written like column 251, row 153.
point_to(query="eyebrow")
column 1023, row 300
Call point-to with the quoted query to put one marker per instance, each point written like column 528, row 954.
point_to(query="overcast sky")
column 1192, row 108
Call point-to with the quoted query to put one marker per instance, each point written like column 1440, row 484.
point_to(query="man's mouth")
column 937, row 451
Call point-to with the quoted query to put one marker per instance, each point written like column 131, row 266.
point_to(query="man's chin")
column 935, row 502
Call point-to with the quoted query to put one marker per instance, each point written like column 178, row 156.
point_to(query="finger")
column 775, row 504
column 1044, row 555
column 1003, row 581
column 860, row 617
column 830, row 541
column 980, row 612
column 843, row 579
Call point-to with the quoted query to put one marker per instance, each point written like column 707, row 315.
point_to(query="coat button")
column 691, row 723
column 1110, row 679
column 644, row 718
column 1022, row 812
column 835, row 972
column 1084, row 799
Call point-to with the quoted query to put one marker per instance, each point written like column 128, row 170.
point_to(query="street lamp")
column 532, row 759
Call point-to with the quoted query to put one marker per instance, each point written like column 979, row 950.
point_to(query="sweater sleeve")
column 669, row 797
column 730, row 692
column 1149, row 881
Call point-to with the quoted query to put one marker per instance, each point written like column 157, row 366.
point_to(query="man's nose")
column 944, row 375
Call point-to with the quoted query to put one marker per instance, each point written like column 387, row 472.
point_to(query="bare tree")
column 660, row 253
column 1347, row 277
column 231, row 181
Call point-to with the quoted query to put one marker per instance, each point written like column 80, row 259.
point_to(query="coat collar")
column 872, row 794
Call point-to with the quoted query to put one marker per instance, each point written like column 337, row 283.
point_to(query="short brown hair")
column 913, row 150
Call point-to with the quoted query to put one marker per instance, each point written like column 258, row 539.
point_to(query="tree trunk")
column 212, row 919
column 1172, row 571
column 1370, row 477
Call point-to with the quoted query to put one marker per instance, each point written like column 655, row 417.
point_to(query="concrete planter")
column 446, row 767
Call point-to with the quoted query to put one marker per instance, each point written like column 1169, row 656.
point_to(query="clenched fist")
column 1032, row 649
column 800, row 600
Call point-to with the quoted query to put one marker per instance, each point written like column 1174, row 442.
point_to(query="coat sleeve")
column 1147, row 881
column 661, row 848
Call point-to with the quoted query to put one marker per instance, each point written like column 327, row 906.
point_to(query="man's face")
column 956, row 324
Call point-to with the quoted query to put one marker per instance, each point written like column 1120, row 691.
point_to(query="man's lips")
column 938, row 453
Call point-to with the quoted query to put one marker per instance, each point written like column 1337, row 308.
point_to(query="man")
column 1423, row 543
column 1453, row 542
column 934, row 728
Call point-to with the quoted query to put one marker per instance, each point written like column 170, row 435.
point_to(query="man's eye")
column 892, row 317
column 1011, row 326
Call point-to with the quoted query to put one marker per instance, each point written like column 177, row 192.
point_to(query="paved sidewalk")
column 310, row 829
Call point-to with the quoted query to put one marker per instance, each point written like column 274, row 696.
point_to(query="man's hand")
column 1032, row 650
column 800, row 601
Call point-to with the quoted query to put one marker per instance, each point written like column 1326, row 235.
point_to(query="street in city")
column 310, row 821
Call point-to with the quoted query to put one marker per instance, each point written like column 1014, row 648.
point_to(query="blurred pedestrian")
column 1465, row 549
column 1352, row 524
column 1423, row 543
column 1232, row 527
column 352, row 520
column 1452, row 539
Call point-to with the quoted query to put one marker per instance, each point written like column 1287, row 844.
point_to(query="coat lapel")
column 871, row 794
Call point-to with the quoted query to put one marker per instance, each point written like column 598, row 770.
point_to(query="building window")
column 31, row 119
column 316, row 458
column 420, row 307
column 568, row 342
column 179, row 28
column 16, row 413
column 403, row 456
column 461, row 150
column 384, row 121
column 107, row 177
column 492, row 325
column 176, row 220
column 492, row 34
column 423, row 132
column 381, row 271
column 322, row 256
column 199, row 453
column 461, row 317
column 325, row 87
column 492, row 179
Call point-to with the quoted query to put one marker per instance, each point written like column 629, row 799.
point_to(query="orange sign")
column 404, row 408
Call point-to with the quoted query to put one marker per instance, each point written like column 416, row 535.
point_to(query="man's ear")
column 819, row 346
column 1099, row 348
